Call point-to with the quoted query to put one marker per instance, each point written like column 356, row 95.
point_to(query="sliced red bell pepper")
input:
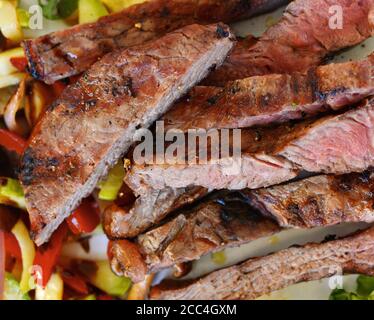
column 19, row 62
column 47, row 255
column 104, row 297
column 85, row 218
column 12, row 248
column 12, row 141
column 2, row 263
column 75, row 282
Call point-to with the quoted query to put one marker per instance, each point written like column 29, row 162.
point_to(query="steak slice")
column 256, row 277
column 93, row 123
column 319, row 201
column 269, row 99
column 303, row 38
column 147, row 210
column 227, row 221
column 69, row 52
column 336, row 144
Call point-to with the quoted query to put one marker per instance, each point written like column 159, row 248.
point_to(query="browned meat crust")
column 335, row 144
column 274, row 98
column 319, row 201
column 147, row 210
column 256, row 277
column 227, row 221
column 302, row 39
column 69, row 52
column 94, row 121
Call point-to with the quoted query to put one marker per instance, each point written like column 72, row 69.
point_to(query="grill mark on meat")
column 131, row 89
column 270, row 99
column 335, row 144
column 299, row 41
column 259, row 276
column 70, row 52
column 319, row 201
column 226, row 221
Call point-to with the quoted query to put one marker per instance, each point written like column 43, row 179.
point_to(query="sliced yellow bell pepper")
column 91, row 10
column 54, row 289
column 9, row 24
column 113, row 183
column 118, row 5
column 28, row 254
column 107, row 281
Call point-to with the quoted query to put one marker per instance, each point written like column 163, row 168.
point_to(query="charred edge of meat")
column 28, row 165
column 32, row 58
column 258, row 6
column 222, row 31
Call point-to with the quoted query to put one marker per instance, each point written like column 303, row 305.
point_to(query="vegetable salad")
column 67, row 267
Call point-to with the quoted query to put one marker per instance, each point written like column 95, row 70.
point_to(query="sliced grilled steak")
column 147, row 211
column 319, row 201
column 214, row 225
column 334, row 144
column 274, row 98
column 302, row 39
column 94, row 122
column 256, row 277
column 69, row 52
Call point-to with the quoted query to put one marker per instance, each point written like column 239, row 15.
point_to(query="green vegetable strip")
column 365, row 290
column 11, row 193
column 58, row 9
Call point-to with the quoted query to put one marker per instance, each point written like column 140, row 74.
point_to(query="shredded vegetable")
column 23, row 17
column 9, row 24
column 365, row 290
column 15, row 103
column 11, row 79
column 12, row 141
column 91, row 10
column 58, row 9
column 12, row 289
column 107, row 281
column 28, row 254
column 46, row 256
column 85, row 218
column 6, row 66
column 11, row 193
column 118, row 5
column 110, row 187
column 54, row 289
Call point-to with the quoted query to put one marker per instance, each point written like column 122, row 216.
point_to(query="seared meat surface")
column 94, row 121
column 256, row 277
column 147, row 210
column 319, row 201
column 69, row 52
column 334, row 144
column 303, row 38
column 275, row 98
column 226, row 221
